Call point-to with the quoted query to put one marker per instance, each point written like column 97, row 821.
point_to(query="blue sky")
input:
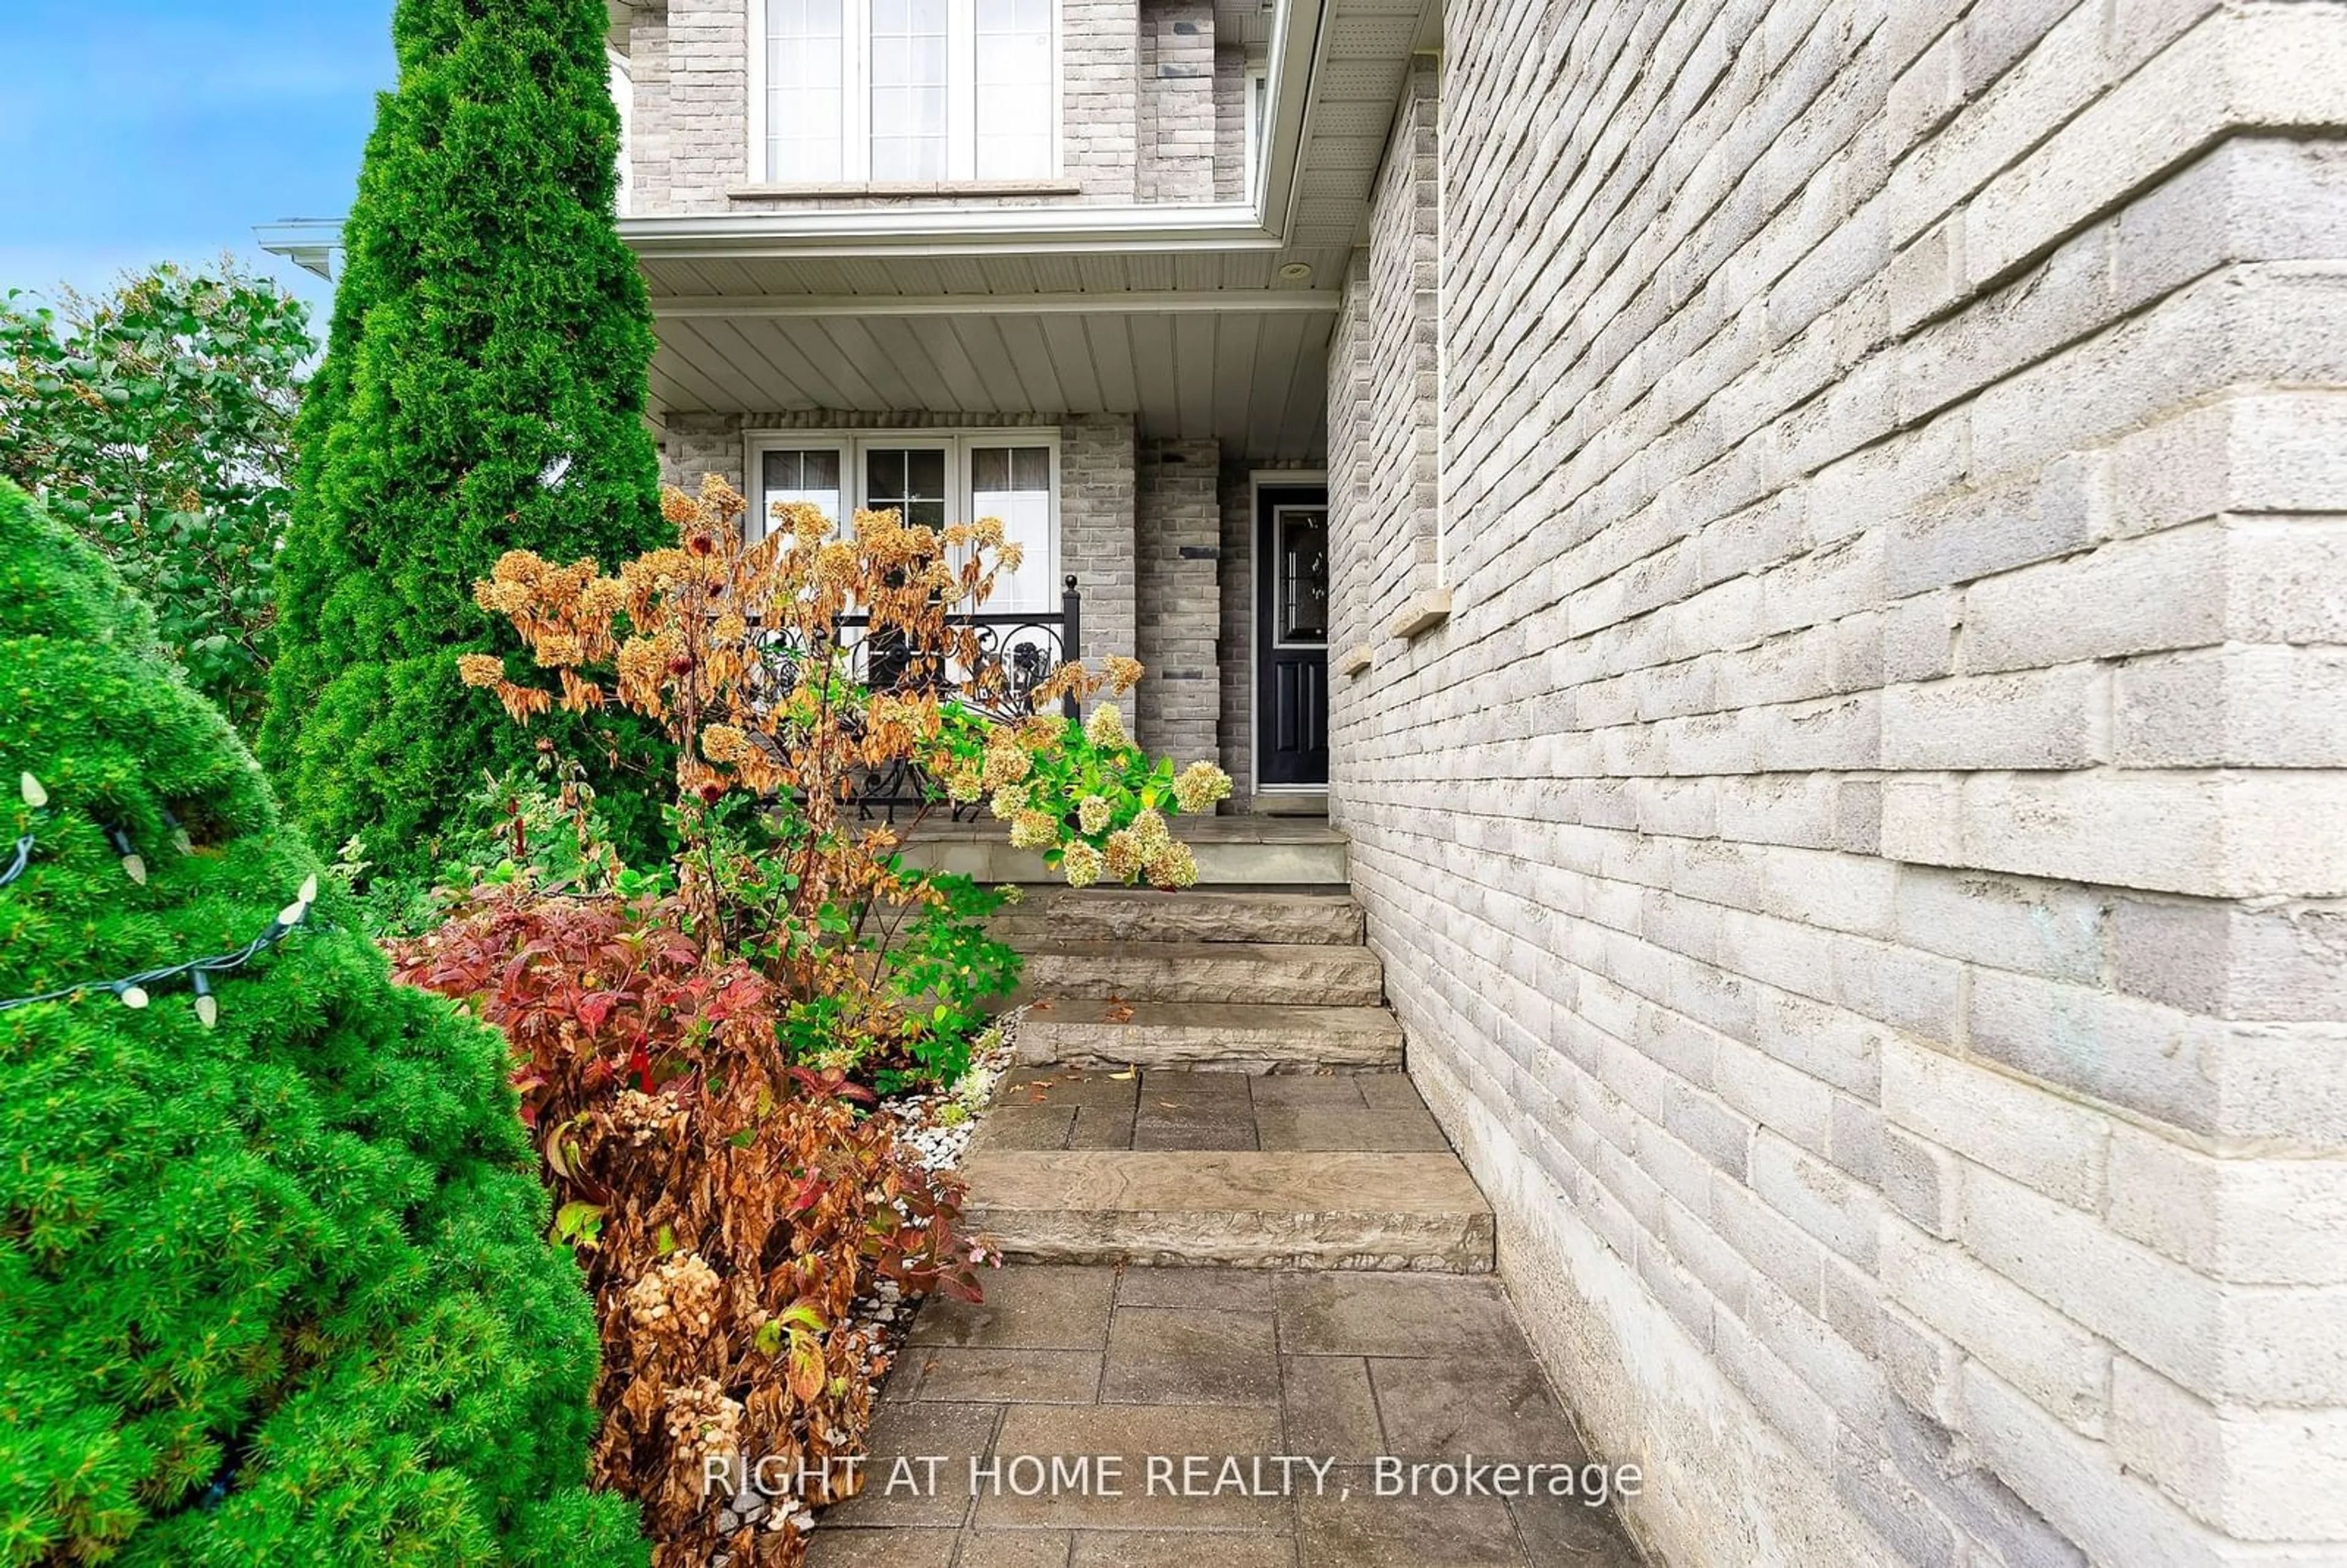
column 165, row 129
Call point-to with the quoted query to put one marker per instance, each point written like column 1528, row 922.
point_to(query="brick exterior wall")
column 1384, row 373
column 1862, row 865
column 1230, row 124
column 1096, row 492
column 1177, row 533
column 1177, row 114
column 691, row 150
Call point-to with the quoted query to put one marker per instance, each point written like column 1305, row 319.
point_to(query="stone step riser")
column 1308, row 920
column 1288, row 977
column 1309, row 864
column 1371, row 1212
column 1294, row 1044
column 1310, row 1242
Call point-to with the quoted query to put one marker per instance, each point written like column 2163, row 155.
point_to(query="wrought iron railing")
column 994, row 671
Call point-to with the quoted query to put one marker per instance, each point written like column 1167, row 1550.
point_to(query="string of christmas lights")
column 35, row 797
column 133, row 991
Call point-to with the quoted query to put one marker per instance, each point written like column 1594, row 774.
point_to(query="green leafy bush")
column 483, row 391
column 272, row 1290
column 155, row 422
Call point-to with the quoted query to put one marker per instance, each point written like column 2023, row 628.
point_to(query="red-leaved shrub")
column 727, row 1208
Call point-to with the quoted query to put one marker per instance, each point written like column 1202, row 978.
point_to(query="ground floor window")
column 936, row 480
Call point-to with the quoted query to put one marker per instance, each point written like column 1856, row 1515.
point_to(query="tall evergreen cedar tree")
column 271, row 1291
column 483, row 391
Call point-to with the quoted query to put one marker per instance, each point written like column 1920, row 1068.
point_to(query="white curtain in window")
column 1014, row 484
column 806, row 45
column 909, row 80
column 1012, row 67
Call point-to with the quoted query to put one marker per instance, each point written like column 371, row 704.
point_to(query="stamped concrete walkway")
column 1195, row 1367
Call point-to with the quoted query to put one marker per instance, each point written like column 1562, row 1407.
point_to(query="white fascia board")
column 1145, row 301
column 310, row 243
column 962, row 231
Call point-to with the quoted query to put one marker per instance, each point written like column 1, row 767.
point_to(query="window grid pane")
column 812, row 477
column 1013, row 485
column 909, row 90
column 1014, row 78
column 805, row 109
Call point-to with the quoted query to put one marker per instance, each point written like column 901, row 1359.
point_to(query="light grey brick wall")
column 1385, row 372
column 1861, row 867
column 1096, row 491
column 1230, row 124
column 1177, row 535
column 1234, row 649
column 690, row 149
column 1178, row 116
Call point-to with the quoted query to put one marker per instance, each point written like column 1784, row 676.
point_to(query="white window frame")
column 623, row 95
column 957, row 444
column 1259, row 91
column 855, row 94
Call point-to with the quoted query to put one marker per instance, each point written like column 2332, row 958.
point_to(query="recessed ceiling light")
column 1296, row 271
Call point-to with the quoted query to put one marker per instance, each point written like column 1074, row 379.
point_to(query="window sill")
column 1358, row 658
column 1422, row 614
column 944, row 187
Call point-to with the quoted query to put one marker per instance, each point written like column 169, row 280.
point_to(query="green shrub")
column 483, row 391
column 274, row 1290
column 155, row 421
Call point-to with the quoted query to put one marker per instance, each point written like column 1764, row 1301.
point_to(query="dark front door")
column 1291, row 657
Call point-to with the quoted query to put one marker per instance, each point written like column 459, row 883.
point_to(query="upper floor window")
column 919, row 91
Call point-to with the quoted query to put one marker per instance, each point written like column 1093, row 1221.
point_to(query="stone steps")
column 1232, row 851
column 1215, row 1036
column 1239, row 1208
column 1224, row 1090
column 1299, row 916
column 1296, row 974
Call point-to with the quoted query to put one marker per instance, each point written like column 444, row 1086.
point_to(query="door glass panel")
column 1301, row 553
column 1013, row 484
column 810, row 476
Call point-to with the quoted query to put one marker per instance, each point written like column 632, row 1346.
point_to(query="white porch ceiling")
column 1256, row 379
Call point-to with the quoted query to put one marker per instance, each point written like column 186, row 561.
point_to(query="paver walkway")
column 1337, row 1367
column 1324, row 1401
column 1061, row 1108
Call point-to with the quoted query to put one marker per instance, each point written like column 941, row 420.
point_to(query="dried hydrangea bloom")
column 606, row 596
column 1150, row 834
column 1200, row 786
column 1106, row 727
column 1172, row 867
column 702, row 1418
column 1082, row 865
column 1008, row 802
column 724, row 743
column 1122, row 856
column 559, row 651
column 1006, row 764
column 1123, row 673
column 483, row 670
column 1092, row 812
column 1034, row 830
